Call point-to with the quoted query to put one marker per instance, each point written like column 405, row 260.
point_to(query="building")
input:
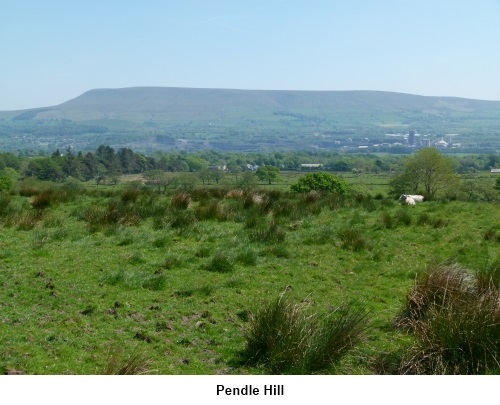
column 441, row 144
column 311, row 166
column 411, row 138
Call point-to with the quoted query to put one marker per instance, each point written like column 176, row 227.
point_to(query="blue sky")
column 54, row 50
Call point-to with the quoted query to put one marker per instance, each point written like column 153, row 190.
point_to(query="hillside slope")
column 164, row 103
column 188, row 118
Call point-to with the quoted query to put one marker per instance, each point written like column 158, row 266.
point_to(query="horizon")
column 57, row 51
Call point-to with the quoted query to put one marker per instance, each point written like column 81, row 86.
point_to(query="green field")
column 93, row 279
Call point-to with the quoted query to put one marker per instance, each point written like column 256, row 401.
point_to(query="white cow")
column 416, row 198
column 406, row 199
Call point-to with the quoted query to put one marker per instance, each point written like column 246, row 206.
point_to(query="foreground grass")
column 170, row 289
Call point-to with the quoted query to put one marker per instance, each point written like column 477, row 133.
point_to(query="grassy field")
column 111, row 279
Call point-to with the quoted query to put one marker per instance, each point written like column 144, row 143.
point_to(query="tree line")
column 106, row 162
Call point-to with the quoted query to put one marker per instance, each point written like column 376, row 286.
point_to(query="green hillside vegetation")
column 147, row 118
column 133, row 277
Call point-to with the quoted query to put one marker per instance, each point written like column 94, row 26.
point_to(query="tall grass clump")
column 181, row 218
column 488, row 278
column 387, row 221
column 456, row 322
column 404, row 217
column 210, row 210
column 352, row 239
column 274, row 234
column 118, row 363
column 247, row 257
column 5, row 202
column 220, row 263
column 437, row 287
column 180, row 200
column 286, row 337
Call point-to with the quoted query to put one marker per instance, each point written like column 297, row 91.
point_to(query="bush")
column 289, row 338
column 320, row 181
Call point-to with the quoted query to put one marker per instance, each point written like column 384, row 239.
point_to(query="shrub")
column 320, row 181
column 289, row 338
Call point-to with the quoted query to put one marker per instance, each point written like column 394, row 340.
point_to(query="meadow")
column 122, row 279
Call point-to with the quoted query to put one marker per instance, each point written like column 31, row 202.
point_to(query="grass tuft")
column 287, row 337
column 455, row 318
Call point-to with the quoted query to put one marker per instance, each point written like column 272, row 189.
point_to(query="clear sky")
column 55, row 50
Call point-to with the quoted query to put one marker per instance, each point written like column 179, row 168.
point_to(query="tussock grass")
column 211, row 210
column 136, row 279
column 180, row 200
column 491, row 234
column 388, row 221
column 287, row 337
column 181, row 218
column 24, row 220
column 273, row 233
column 247, row 257
column 455, row 317
column 436, row 287
column 118, row 363
column 221, row 262
column 404, row 217
column 5, row 204
column 352, row 239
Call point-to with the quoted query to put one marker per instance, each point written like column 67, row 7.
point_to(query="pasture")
column 97, row 280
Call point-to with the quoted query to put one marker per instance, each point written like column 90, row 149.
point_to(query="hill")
column 186, row 118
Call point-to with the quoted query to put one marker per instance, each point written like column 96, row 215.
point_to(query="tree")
column 497, row 184
column 157, row 178
column 5, row 183
column 247, row 180
column 268, row 173
column 320, row 181
column 427, row 170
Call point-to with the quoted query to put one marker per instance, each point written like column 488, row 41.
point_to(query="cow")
column 416, row 198
column 406, row 199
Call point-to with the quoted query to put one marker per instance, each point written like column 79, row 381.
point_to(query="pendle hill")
column 166, row 118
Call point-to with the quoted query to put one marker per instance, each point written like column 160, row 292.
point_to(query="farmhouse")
column 495, row 171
